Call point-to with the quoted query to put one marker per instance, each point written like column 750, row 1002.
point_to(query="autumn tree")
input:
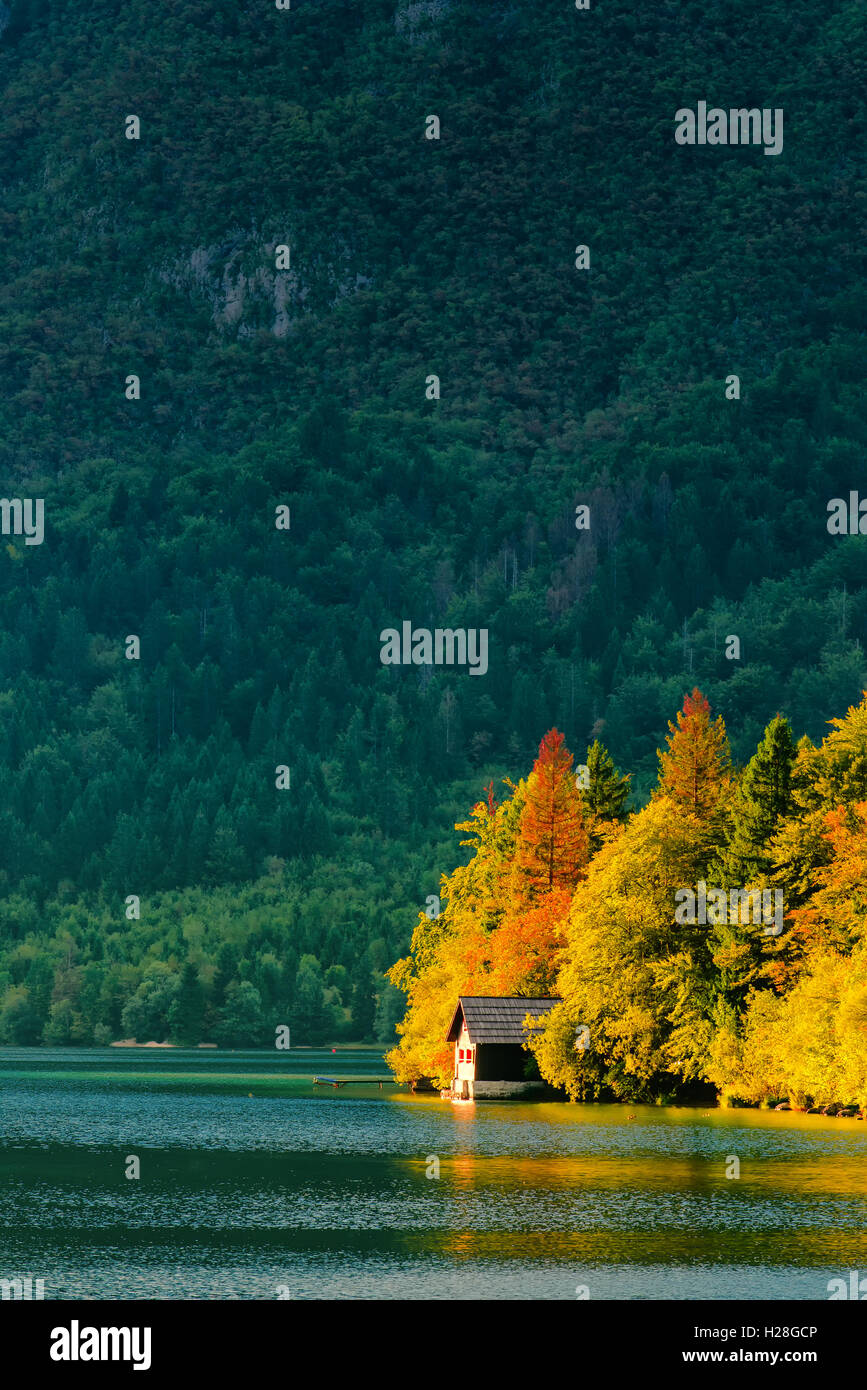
column 823, row 778
column 694, row 770
column 504, row 912
column 821, row 841
column 811, row 1042
column 835, row 915
column 553, row 843
column 451, row 951
column 523, row 953
column 652, row 999
column 635, row 979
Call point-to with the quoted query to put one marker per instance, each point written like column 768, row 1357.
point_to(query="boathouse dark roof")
column 492, row 1018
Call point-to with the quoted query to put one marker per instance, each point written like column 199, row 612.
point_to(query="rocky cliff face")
column 247, row 293
column 414, row 18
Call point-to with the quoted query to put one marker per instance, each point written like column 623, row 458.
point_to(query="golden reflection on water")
column 843, row 1176
column 562, row 1113
column 676, row 1248
column 793, row 1167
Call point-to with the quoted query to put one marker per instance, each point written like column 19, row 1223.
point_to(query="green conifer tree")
column 187, row 1011
column 363, row 1003
column 763, row 798
column 605, row 797
column 608, row 790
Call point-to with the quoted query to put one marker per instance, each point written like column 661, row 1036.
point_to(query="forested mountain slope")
column 306, row 387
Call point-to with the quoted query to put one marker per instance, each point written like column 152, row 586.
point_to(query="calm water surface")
column 253, row 1181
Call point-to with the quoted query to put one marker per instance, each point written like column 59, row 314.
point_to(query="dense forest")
column 167, row 384
column 716, row 938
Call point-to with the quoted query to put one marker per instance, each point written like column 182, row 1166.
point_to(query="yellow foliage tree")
column 630, row 972
column 812, row 1042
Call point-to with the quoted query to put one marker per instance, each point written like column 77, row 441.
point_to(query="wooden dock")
column 355, row 1081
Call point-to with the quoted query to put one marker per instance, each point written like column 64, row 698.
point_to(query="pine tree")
column 553, row 844
column 694, row 772
column 225, row 860
column 118, row 507
column 226, row 972
column 310, row 1016
column 606, row 795
column 197, row 845
column 763, row 798
column 186, row 1014
column 363, row 1003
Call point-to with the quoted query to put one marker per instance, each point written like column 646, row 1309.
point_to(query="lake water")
column 254, row 1182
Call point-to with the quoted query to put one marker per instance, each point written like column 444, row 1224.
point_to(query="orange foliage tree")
column 502, row 927
column 695, row 769
column 553, row 843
